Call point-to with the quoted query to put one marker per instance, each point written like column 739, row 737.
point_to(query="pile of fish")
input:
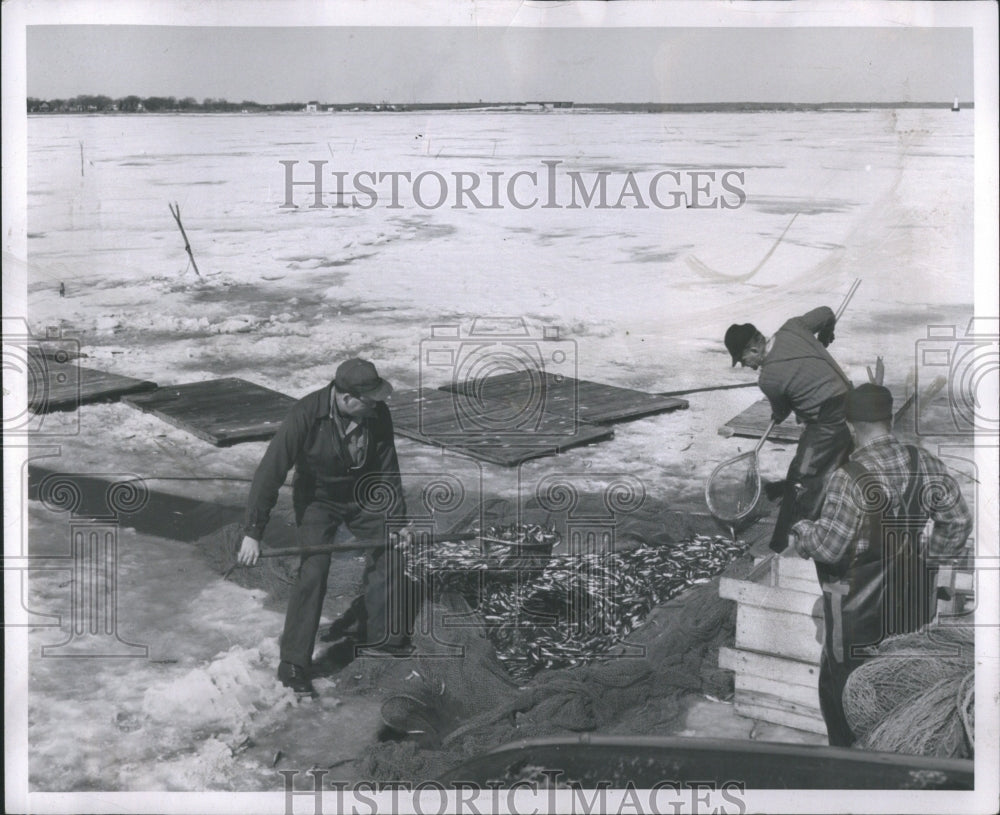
column 554, row 611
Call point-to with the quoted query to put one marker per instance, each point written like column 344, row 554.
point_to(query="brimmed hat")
column 869, row 403
column 358, row 377
column 738, row 337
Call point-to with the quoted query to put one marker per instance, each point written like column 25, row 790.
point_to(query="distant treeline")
column 150, row 104
column 170, row 104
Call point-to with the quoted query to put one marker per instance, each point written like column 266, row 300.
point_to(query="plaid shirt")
column 828, row 539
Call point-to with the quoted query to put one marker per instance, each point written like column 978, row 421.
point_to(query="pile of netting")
column 917, row 696
column 553, row 611
column 444, row 710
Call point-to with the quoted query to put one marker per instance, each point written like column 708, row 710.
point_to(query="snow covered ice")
column 645, row 294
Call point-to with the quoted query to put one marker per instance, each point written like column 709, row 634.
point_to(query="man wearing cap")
column 340, row 441
column 797, row 374
column 876, row 565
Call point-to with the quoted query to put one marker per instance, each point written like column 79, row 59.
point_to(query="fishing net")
column 916, row 695
column 446, row 710
column 734, row 490
column 553, row 611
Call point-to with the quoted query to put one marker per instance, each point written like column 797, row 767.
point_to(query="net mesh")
column 469, row 703
column 916, row 696
column 733, row 491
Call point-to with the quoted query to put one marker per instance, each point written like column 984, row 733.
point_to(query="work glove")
column 825, row 336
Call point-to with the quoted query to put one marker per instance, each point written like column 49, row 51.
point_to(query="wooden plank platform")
column 487, row 431
column 578, row 399
column 753, row 421
column 220, row 411
column 58, row 383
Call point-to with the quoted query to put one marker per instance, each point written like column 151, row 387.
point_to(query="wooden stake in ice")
column 175, row 210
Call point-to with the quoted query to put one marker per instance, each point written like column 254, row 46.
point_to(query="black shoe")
column 294, row 677
column 335, row 658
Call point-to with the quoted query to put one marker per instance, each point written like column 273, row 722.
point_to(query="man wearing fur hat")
column 797, row 374
column 876, row 565
column 340, row 441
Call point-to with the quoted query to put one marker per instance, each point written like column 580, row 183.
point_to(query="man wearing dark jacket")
column 876, row 565
column 340, row 441
column 797, row 374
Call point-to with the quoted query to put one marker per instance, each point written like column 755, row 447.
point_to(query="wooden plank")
column 793, row 567
column 64, row 385
column 798, row 636
column 774, row 716
column 440, row 418
column 799, row 698
column 753, row 421
column 781, row 703
column 760, row 595
column 793, row 671
column 220, row 411
column 580, row 399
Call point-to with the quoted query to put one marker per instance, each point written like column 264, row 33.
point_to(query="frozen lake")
column 641, row 296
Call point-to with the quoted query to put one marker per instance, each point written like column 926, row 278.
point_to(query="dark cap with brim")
column 738, row 337
column 869, row 403
column 358, row 377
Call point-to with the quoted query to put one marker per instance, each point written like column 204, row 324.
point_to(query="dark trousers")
column 823, row 446
column 832, row 679
column 385, row 610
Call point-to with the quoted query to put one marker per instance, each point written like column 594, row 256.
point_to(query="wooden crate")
column 779, row 636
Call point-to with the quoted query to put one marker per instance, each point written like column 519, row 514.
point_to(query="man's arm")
column 821, row 322
column 781, row 405
column 947, row 507
column 828, row 538
column 272, row 471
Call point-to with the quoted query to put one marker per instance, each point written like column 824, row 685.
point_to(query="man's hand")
column 825, row 336
column 249, row 551
column 794, row 543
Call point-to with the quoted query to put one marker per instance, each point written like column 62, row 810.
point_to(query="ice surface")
column 644, row 294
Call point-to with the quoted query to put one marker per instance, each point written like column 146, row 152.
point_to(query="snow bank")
column 230, row 697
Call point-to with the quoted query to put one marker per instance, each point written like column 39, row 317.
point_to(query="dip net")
column 917, row 695
column 733, row 491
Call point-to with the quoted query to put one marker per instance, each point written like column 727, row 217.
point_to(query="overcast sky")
column 438, row 64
